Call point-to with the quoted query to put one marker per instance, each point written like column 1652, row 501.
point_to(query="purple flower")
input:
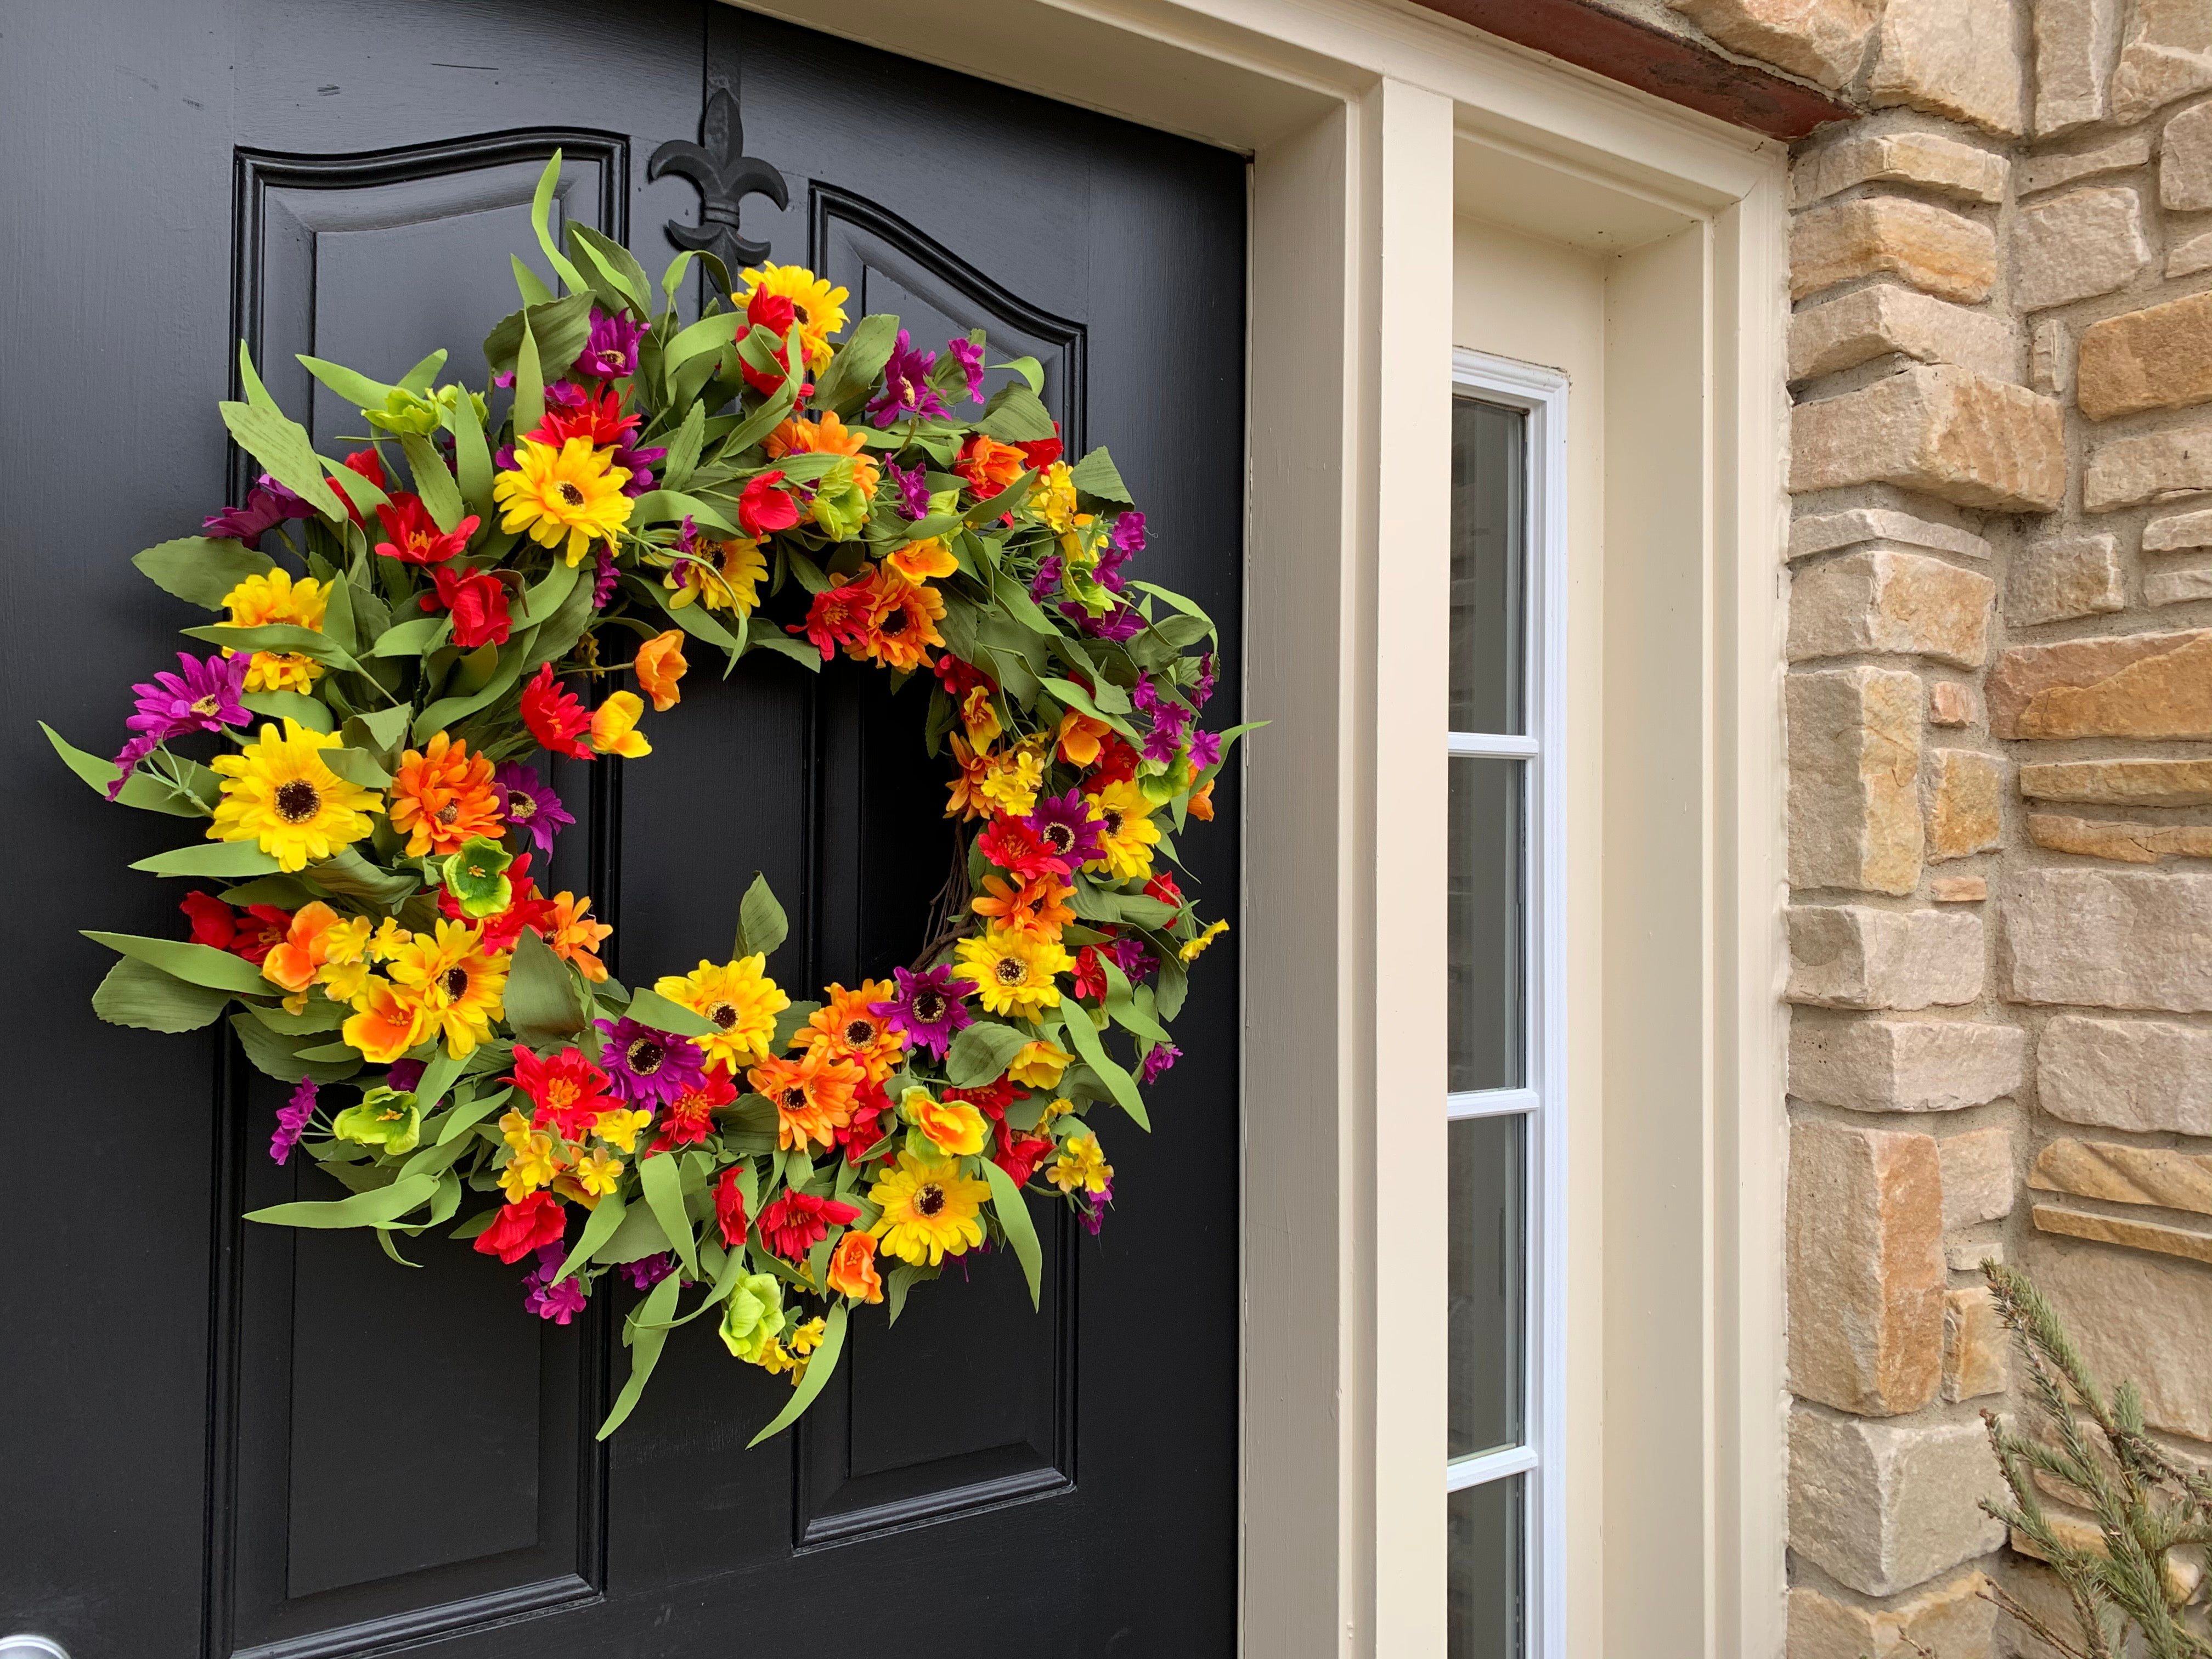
column 1093, row 1216
column 1127, row 536
column 203, row 698
column 1162, row 1056
column 1132, row 958
column 971, row 364
column 602, row 577
column 1205, row 750
column 529, row 806
column 292, row 1120
column 611, row 352
column 558, row 1303
column 927, row 1008
column 1169, row 721
column 648, row 1271
column 1144, row 694
column 907, row 390
column 1045, row 583
column 267, row 505
column 126, row 761
column 648, row 1067
column 913, row 488
column 1122, row 623
column 1204, row 689
column 640, row 463
column 404, row 1075
column 1064, row 824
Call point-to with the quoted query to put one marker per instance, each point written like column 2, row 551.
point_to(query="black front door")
column 226, row 1439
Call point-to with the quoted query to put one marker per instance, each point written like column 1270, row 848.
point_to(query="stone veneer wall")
column 2000, row 732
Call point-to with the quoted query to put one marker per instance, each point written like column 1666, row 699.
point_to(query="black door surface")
column 225, row 1439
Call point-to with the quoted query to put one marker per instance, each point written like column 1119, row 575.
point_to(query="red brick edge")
column 1637, row 55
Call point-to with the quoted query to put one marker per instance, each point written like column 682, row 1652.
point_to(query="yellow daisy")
column 1127, row 833
column 463, row 986
column 723, row 576
column 1011, row 970
column 574, row 492
column 820, row 307
column 265, row 600
column 277, row 791
column 737, row 997
column 929, row 1210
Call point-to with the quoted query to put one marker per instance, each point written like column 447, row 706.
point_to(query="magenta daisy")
column 907, row 391
column 649, row 1067
column 913, row 488
column 292, row 1120
column 268, row 504
column 611, row 352
column 927, row 1008
column 971, row 364
column 1064, row 824
column 531, row 804
column 558, row 1303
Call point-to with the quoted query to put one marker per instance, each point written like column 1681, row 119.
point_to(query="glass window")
column 1483, row 967
column 1488, row 1543
column 1489, row 550
column 1487, row 1274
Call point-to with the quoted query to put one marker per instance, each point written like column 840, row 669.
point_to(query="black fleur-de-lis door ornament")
column 725, row 176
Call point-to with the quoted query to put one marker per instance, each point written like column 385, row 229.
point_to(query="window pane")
column 1489, row 556
column 1488, row 1253
column 1484, row 1592
column 1483, row 925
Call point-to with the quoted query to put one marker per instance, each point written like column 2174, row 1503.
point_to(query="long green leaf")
column 528, row 283
column 846, row 383
column 1013, row 1213
column 471, row 455
column 541, row 221
column 649, row 1007
column 361, row 1210
column 625, row 275
column 541, row 997
column 438, row 1076
column 462, row 1119
column 663, row 1181
column 281, row 637
column 310, row 712
column 648, row 1336
column 355, row 388
column 199, row 965
column 819, row 1364
column 762, row 924
column 713, row 333
column 347, row 874
column 981, row 1053
column 282, row 448
column 596, row 1231
column 1097, row 475
column 229, row 860
column 143, row 791
column 433, row 482
column 202, row 569
column 1123, row 1086
column 138, row 994
column 529, row 383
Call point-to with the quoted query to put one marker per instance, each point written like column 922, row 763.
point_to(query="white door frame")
column 1355, row 113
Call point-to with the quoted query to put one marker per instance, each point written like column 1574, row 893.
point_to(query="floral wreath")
column 380, row 697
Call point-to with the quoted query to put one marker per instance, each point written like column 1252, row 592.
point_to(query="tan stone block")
column 1965, row 803
column 2120, row 1173
column 2050, row 364
column 2138, row 685
column 1957, row 58
column 2049, row 172
column 1884, row 601
column 2185, row 161
column 2073, row 41
column 1966, row 1255
column 2109, row 939
column 1822, row 40
column 2145, row 1318
column 1930, row 247
column 1953, row 1620
column 1903, row 1065
column 1959, row 889
column 2160, row 357
column 2178, row 533
column 1926, row 158
column 2069, row 247
column 1854, row 780
column 1977, row 1348
column 1852, row 955
column 1950, row 703
column 1870, row 322
column 1866, row 1268
column 2063, row 576
column 2177, row 586
column 1935, row 428
column 2128, row 472
column 1977, row 1176
column 2186, row 1242
column 2190, row 256
column 2148, row 1075
column 2120, row 782
column 1824, row 532
column 2166, row 54
column 1883, row 1507
column 2127, row 841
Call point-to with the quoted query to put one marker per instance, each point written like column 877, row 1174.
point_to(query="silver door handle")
column 31, row 1647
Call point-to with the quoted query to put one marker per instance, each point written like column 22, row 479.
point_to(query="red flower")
column 797, row 1222
column 730, row 1208
column 958, row 678
column 838, row 617
column 528, row 908
column 775, row 312
column 599, row 418
column 1042, row 453
column 569, row 1091
column 870, row 1102
column 250, row 936
column 1016, row 849
column 689, row 1118
column 479, row 601
column 1019, row 1158
column 416, row 537
column 370, row 465
column 767, row 506
column 1116, row 763
column 1162, row 887
column 555, row 717
column 530, row 1223
column 1090, row 977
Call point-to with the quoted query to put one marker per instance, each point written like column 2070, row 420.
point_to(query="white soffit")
column 1503, row 185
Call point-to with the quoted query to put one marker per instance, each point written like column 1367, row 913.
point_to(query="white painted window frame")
column 1541, row 393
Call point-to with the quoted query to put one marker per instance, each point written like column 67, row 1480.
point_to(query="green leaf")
column 229, row 860
column 545, row 596
column 199, row 965
column 1122, row 1006
column 418, row 379
column 648, row 1335
column 310, row 712
column 761, row 422
column 1021, row 1232
column 361, row 1210
column 143, row 791
column 347, row 874
column 256, row 393
column 618, row 263
column 819, row 1364
column 434, row 482
column 762, row 924
column 515, row 659
column 380, row 732
column 684, row 448
column 529, row 383
column 528, row 283
column 356, row 389
column 274, row 1054
column 639, row 1234
column 852, row 373
column 649, row 1007
column 138, row 993
column 281, row 637
column 200, row 569
column 418, row 636
column 462, row 1119
column 981, row 1053
column 541, row 221
column 1097, row 475
column 605, row 1217
column 714, row 333
column 471, row 455
column 1117, row 1081
column 903, row 1280
column 541, row 997
column 364, row 494
column 438, row 1076
column 662, row 1180
column 282, row 448
column 673, row 507
column 1016, row 416
column 355, row 766
column 558, row 325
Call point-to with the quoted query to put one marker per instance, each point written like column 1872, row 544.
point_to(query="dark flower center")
column 449, row 811
column 893, row 624
column 860, row 1034
column 205, row 707
column 644, row 1055
column 298, row 800
column 794, row 1098
column 1060, row 838
column 520, row 808
column 928, row 1199
column 568, row 493
column 456, row 982
column 929, row 1007
column 1111, row 823
column 724, row 1014
column 1008, row 970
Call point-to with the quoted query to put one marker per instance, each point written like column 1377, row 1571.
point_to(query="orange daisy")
column 576, row 937
column 813, row 1096
column 1036, row 907
column 967, row 789
column 828, row 436
column 443, row 796
column 989, row 465
column 847, row 1028
column 902, row 623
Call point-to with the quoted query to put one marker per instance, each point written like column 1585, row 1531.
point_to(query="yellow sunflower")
column 820, row 307
column 737, row 997
column 462, row 987
column 277, row 791
column 1013, row 969
column 1127, row 833
column 573, row 493
column 723, row 576
column 929, row 1210
column 267, row 600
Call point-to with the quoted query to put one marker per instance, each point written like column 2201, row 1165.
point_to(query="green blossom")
column 384, row 1118
column 477, row 877
column 752, row 1317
